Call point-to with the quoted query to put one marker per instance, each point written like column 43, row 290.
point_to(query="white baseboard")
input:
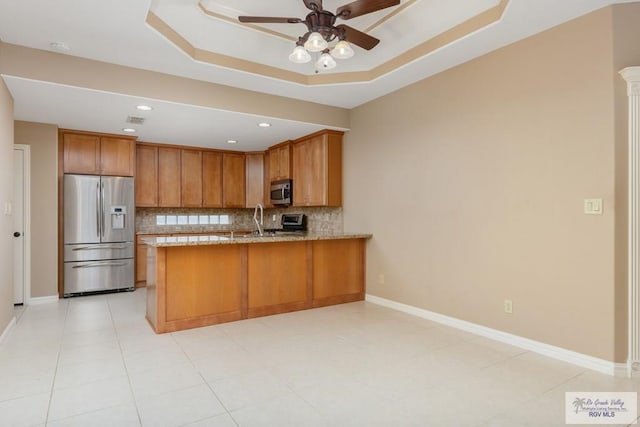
column 7, row 330
column 579, row 359
column 43, row 300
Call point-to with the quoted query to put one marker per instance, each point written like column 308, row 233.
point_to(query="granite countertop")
column 213, row 239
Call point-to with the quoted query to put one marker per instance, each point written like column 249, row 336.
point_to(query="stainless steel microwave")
column 281, row 192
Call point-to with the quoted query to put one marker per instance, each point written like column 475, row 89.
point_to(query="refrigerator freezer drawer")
column 98, row 251
column 94, row 276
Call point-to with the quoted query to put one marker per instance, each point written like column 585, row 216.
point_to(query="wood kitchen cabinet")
column 146, row 175
column 195, row 285
column 211, row 179
column 191, row 178
column 141, row 261
column 233, row 180
column 317, row 169
column 169, row 177
column 97, row 154
column 173, row 176
column 280, row 161
column 117, row 156
column 254, row 163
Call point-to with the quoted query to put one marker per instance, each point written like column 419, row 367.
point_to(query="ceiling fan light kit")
column 322, row 30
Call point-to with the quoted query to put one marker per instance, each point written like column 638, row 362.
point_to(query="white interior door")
column 18, row 207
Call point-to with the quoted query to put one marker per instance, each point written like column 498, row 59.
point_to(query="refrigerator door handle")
column 100, row 246
column 102, row 213
column 101, row 264
column 98, row 209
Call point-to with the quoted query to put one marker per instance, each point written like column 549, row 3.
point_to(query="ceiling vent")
column 135, row 120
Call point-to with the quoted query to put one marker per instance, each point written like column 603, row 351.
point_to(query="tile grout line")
column 173, row 337
column 219, row 400
column 55, row 372
column 135, row 402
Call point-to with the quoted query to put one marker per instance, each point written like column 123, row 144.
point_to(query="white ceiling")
column 117, row 31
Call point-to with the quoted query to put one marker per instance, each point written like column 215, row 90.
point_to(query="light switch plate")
column 593, row 206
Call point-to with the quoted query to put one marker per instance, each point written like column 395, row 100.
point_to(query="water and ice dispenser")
column 118, row 214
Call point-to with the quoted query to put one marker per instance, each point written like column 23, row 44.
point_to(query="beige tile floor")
column 94, row 361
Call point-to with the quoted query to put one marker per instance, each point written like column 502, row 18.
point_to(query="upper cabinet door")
column 169, row 178
column 146, row 176
column 255, row 179
column 191, row 178
column 117, row 156
column 94, row 154
column 317, row 170
column 280, row 162
column 233, row 180
column 81, row 153
column 211, row 179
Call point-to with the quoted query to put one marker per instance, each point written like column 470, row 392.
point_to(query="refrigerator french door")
column 99, row 234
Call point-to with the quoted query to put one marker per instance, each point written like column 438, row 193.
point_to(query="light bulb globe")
column 325, row 62
column 299, row 55
column 315, row 42
column 342, row 50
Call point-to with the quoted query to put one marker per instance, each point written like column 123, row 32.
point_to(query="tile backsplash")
column 190, row 220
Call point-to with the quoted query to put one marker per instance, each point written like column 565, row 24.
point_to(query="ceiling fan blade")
column 362, row 7
column 269, row 20
column 310, row 4
column 358, row 38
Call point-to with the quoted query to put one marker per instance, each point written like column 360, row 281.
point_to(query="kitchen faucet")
column 255, row 218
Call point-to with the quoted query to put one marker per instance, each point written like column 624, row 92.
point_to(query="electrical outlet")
column 508, row 306
column 381, row 279
column 274, row 218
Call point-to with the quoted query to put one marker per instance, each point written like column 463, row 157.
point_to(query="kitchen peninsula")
column 195, row 281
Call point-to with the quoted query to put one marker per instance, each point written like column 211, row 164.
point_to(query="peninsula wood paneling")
column 338, row 271
column 277, row 277
column 203, row 281
column 197, row 285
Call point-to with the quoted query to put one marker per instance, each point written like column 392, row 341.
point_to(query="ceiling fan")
column 321, row 30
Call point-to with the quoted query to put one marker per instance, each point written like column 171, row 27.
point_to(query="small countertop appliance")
column 291, row 224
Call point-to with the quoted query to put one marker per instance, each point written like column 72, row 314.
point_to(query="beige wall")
column 43, row 140
column 473, row 182
column 6, row 193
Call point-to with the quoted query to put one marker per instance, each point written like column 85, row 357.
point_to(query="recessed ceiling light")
column 60, row 46
column 264, row 125
column 129, row 130
column 231, row 141
column 144, row 108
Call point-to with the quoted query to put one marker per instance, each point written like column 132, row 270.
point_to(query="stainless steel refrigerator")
column 99, row 233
